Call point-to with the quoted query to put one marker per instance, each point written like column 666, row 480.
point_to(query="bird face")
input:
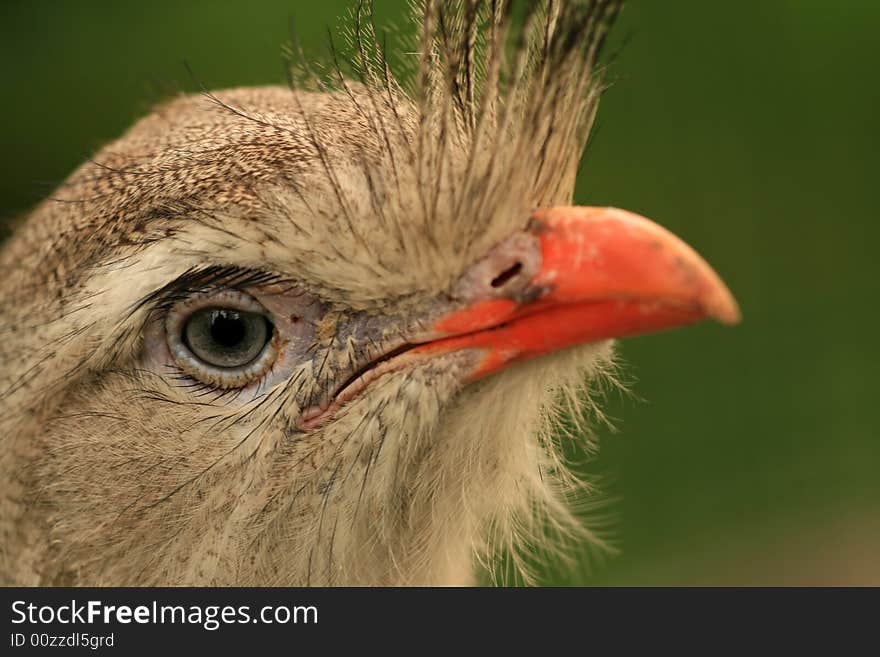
column 279, row 337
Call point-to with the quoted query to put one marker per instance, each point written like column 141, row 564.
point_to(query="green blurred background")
column 750, row 128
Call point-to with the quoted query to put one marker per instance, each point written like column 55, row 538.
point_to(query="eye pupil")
column 227, row 328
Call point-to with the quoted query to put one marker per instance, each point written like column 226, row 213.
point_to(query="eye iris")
column 226, row 338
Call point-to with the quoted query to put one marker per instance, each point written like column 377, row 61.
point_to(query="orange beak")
column 604, row 273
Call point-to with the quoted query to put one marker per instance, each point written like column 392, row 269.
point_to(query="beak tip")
column 722, row 307
column 729, row 317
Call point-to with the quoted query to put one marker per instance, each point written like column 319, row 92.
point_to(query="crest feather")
column 502, row 95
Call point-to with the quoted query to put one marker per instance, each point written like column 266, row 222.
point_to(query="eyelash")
column 205, row 280
column 200, row 388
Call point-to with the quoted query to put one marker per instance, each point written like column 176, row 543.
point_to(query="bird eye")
column 224, row 339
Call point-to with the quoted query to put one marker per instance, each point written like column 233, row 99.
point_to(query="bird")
column 328, row 332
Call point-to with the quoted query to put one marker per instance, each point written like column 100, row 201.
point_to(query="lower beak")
column 603, row 273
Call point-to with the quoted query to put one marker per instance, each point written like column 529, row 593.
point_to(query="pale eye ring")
column 224, row 338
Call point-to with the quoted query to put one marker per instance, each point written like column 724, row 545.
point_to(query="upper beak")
column 601, row 273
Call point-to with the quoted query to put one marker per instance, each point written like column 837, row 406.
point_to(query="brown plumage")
column 347, row 209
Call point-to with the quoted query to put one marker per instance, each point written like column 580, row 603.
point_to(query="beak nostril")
column 503, row 271
column 507, row 274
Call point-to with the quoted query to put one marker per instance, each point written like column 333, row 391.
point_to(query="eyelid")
column 225, row 297
column 225, row 378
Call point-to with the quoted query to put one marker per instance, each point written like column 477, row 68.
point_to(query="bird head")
column 318, row 334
